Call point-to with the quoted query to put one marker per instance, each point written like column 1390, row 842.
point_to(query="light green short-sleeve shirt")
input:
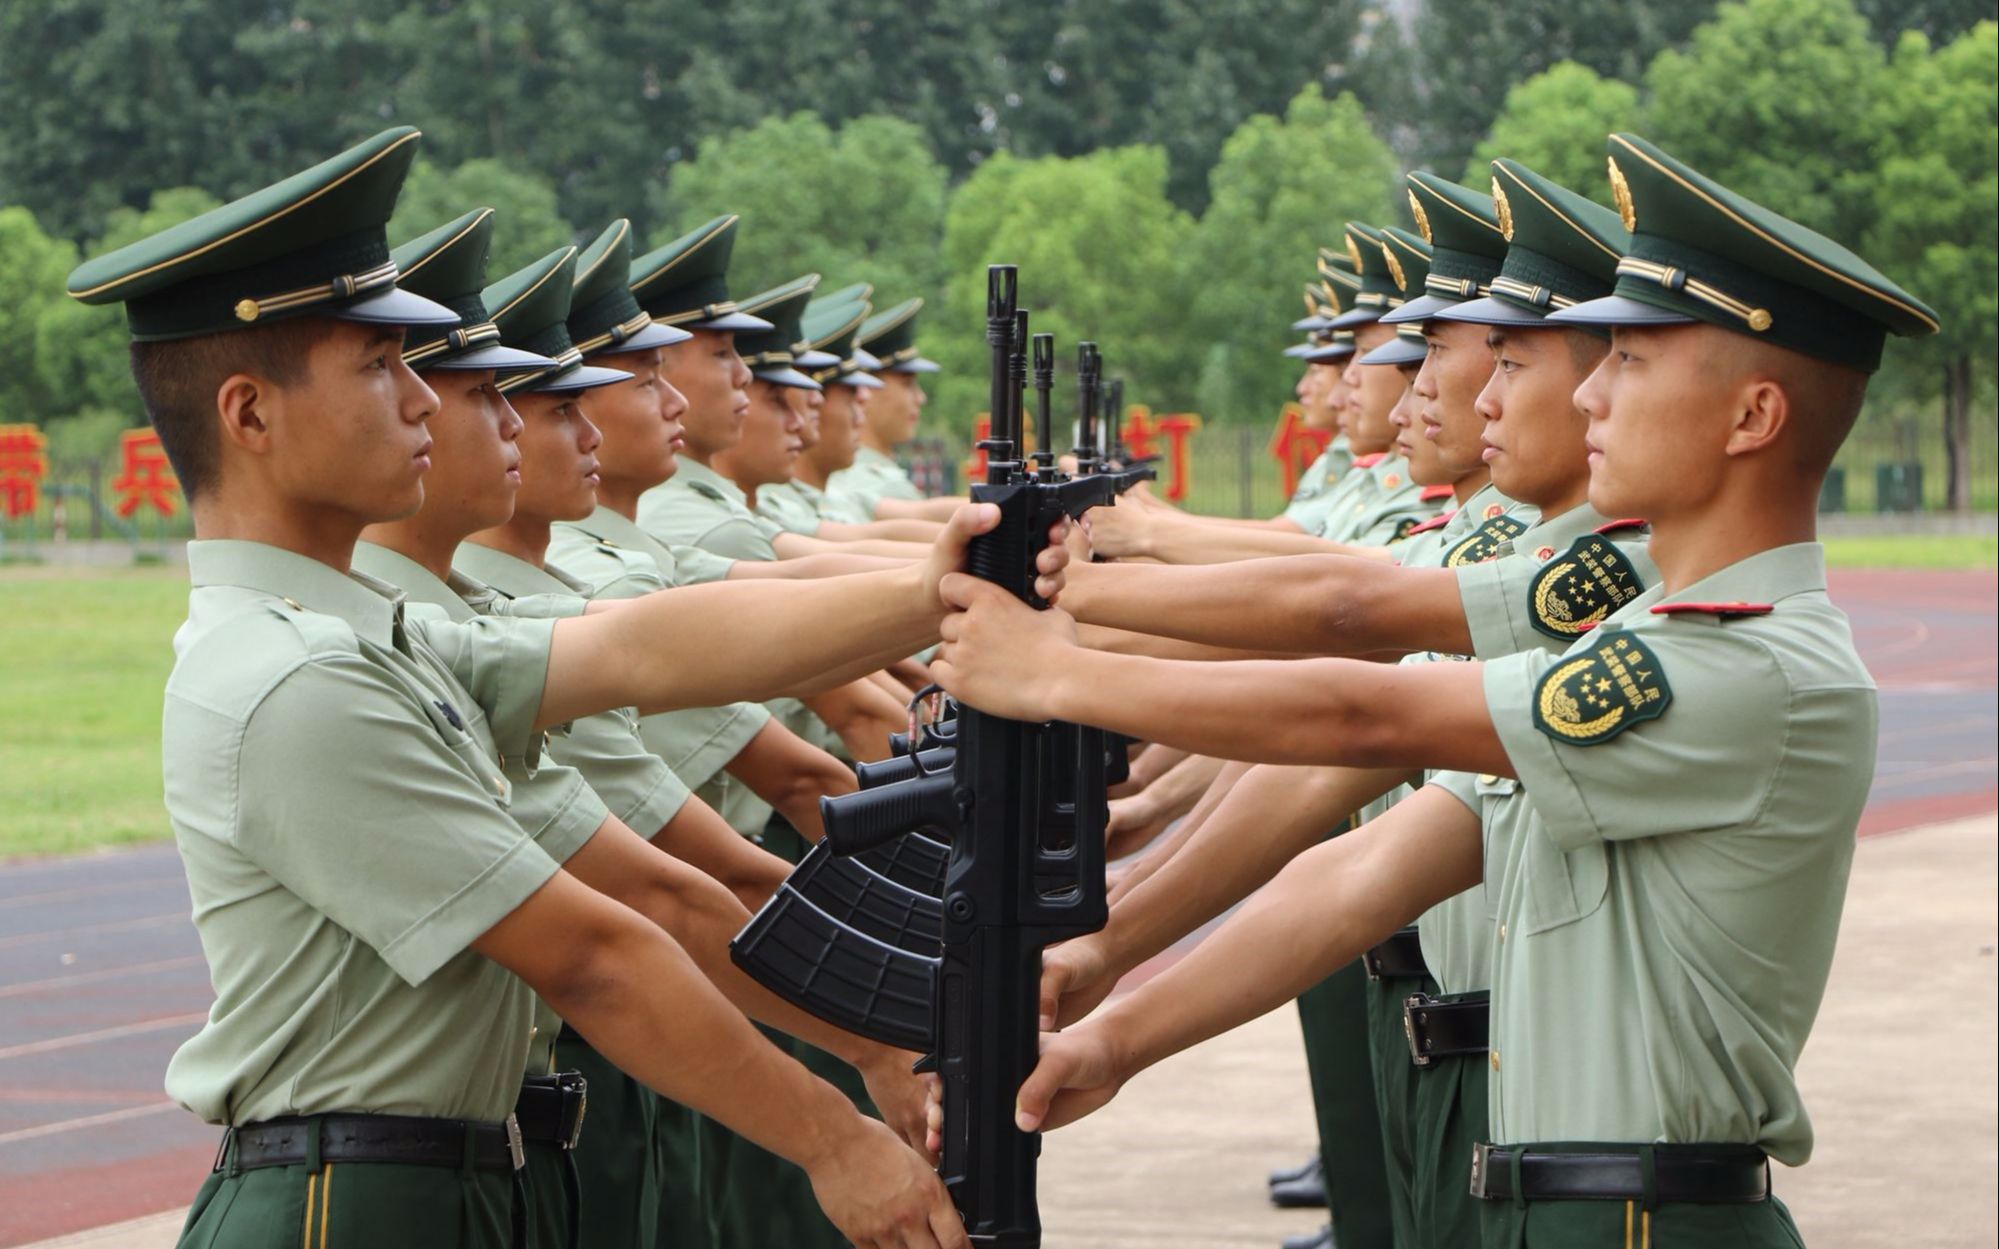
column 1666, row 918
column 1552, row 582
column 700, row 507
column 606, row 548
column 333, row 780
column 871, row 478
column 1314, row 492
column 1373, row 481
column 842, row 508
column 792, row 505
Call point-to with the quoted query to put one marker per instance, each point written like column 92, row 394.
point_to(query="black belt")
column 1398, row 958
column 550, row 1108
column 289, row 1142
column 1440, row 1027
column 1652, row 1174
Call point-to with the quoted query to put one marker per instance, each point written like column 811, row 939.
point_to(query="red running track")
column 101, row 975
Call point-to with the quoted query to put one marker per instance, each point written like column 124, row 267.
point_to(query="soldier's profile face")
column 358, row 407
column 475, row 464
column 806, row 405
column 558, row 458
column 714, row 380
column 769, row 445
column 1533, row 433
column 894, row 410
column 839, row 428
column 1659, row 413
column 640, row 420
column 1454, row 370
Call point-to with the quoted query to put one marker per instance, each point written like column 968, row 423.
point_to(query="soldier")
column 1694, row 766
column 875, row 485
column 334, row 769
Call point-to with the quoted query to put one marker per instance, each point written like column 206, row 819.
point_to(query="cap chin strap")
column 346, row 286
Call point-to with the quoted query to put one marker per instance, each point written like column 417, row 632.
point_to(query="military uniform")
column 889, row 335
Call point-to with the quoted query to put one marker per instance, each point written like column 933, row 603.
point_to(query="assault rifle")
column 1018, row 812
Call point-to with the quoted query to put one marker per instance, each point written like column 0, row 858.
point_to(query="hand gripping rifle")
column 1022, row 808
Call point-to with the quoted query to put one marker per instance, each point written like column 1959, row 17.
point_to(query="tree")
column 1937, row 228
column 32, row 269
column 1555, row 124
column 863, row 204
column 526, row 223
column 1780, row 101
column 1098, row 245
column 1282, row 189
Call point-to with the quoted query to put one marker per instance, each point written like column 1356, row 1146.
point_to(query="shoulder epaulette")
column 1726, row 611
column 1430, row 494
column 1369, row 461
column 1619, row 526
column 1435, row 522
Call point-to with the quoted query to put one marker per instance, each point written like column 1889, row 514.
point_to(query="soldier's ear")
column 247, row 408
column 1762, row 414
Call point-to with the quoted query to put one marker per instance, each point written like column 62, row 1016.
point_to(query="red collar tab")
column 1369, row 461
column 1431, row 494
column 1726, row 611
column 1435, row 522
column 1618, row 526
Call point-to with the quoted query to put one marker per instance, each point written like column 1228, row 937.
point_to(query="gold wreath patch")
column 1580, row 588
column 1485, row 541
column 1587, row 698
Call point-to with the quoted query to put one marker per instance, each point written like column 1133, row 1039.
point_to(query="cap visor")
column 653, row 335
column 1309, row 323
column 1617, row 310
column 1357, row 316
column 582, row 377
column 1396, row 351
column 1328, row 355
column 915, row 365
column 865, row 359
column 394, row 307
column 499, row 359
column 1490, row 311
column 1421, row 308
column 785, row 376
column 736, row 322
column 815, row 359
column 861, row 381
column 1298, row 351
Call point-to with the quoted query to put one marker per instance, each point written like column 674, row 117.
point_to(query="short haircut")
column 178, row 379
column 1586, row 349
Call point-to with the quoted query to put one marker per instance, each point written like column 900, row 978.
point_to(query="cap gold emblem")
column 1505, row 210
column 247, row 310
column 1759, row 319
column 1394, row 268
column 1353, row 253
column 1422, row 220
column 1620, row 191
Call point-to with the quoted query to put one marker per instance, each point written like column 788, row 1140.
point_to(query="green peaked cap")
column 1563, row 250
column 1463, row 228
column 891, row 335
column 1700, row 252
column 686, row 283
column 1378, row 292
column 772, row 354
column 312, row 245
column 531, row 307
column 603, row 316
column 853, row 292
column 448, row 265
column 831, row 323
column 1408, row 259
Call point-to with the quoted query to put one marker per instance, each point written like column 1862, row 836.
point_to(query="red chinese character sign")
column 24, row 463
column 1142, row 432
column 975, row 464
column 1295, row 445
column 144, row 477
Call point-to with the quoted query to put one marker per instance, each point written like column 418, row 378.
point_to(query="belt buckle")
column 1481, row 1167
column 513, row 1128
column 1370, row 964
column 1410, row 1005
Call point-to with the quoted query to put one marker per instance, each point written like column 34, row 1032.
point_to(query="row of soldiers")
column 531, row 618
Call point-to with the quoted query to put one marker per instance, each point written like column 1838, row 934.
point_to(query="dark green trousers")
column 1450, row 1118
column 352, row 1205
column 683, row 1212
column 616, row 1166
column 1615, row 1224
column 551, row 1203
column 1395, row 1098
column 1333, row 1016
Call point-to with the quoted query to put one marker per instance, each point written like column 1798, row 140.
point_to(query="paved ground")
column 101, row 978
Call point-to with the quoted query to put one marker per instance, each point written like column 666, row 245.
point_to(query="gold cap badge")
column 1620, row 191
column 1394, row 268
column 1505, row 210
column 1422, row 219
column 1353, row 254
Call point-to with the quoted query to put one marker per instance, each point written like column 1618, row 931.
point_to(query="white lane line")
column 77, row 1039
column 91, row 891
column 87, row 1121
column 93, row 977
column 115, row 925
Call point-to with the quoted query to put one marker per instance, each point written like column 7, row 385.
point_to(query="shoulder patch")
column 1431, row 494
column 1579, row 589
column 1726, row 611
column 1628, row 524
column 1588, row 698
column 1403, row 528
column 1435, row 522
column 1484, row 541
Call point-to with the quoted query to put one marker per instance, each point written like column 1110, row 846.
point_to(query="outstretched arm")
column 1005, row 659
column 1315, row 605
column 918, row 509
column 1360, row 888
column 1171, row 538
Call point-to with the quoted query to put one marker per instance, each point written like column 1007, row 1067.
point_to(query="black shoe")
column 1321, row 1239
column 1305, row 1192
column 1287, row 1174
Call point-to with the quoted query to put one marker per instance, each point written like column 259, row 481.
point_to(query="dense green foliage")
column 1162, row 169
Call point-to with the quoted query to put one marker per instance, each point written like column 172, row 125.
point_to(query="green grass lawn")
column 84, row 655
column 1940, row 551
